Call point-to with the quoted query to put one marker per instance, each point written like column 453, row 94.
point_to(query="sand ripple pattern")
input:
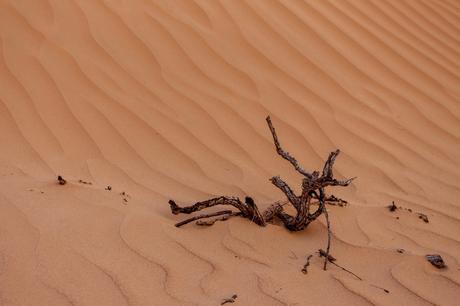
column 164, row 99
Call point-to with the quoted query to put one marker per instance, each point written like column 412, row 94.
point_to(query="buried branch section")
column 309, row 205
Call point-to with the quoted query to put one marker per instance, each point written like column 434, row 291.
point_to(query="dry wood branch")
column 327, row 169
column 272, row 211
column 225, row 217
column 322, row 253
column 313, row 185
column 235, row 202
column 285, row 154
column 328, row 237
column 332, row 260
column 248, row 209
column 333, row 200
column 219, row 213
column 291, row 197
column 321, row 205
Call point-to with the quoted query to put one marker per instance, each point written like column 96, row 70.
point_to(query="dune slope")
column 167, row 99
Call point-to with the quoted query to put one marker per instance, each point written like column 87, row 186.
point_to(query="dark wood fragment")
column 305, row 267
column 332, row 260
column 61, row 180
column 423, row 217
column 229, row 300
column 322, row 253
column 436, row 260
column 85, row 182
column 333, row 200
column 392, row 207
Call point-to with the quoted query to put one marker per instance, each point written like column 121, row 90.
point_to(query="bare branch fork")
column 313, row 185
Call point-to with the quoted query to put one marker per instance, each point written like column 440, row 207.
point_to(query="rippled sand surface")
column 167, row 99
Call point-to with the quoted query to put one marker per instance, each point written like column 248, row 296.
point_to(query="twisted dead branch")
column 313, row 193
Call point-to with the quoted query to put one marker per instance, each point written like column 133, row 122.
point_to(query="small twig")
column 333, row 200
column 386, row 290
column 322, row 253
column 332, row 261
column 328, row 237
column 219, row 213
column 305, row 267
column 347, row 271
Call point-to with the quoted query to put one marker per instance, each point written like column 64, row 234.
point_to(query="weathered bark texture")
column 309, row 205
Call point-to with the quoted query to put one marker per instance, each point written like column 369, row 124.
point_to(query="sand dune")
column 167, row 99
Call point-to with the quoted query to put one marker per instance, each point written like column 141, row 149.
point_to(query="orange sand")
column 167, row 99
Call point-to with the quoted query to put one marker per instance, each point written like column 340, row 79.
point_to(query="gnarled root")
column 248, row 209
column 313, row 185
